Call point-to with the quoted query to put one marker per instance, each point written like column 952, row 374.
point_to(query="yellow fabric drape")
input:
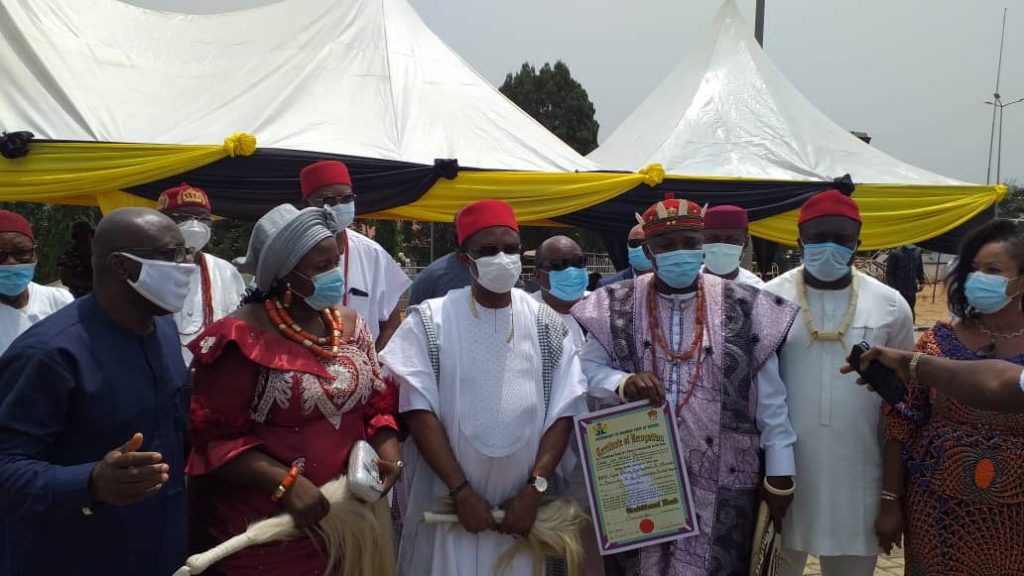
column 536, row 196
column 93, row 174
column 895, row 215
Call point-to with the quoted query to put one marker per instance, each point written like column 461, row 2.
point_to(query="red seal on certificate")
column 647, row 525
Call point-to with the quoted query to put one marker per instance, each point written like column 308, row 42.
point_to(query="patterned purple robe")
column 743, row 327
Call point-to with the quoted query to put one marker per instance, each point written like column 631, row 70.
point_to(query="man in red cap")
column 218, row 288
column 22, row 301
column 707, row 346
column 725, row 236
column 838, row 457
column 374, row 283
column 489, row 383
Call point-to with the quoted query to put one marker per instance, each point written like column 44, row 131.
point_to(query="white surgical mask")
column 196, row 234
column 165, row 284
column 722, row 259
column 498, row 273
column 345, row 213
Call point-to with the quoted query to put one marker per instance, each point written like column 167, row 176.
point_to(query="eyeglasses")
column 488, row 250
column 178, row 254
column 182, row 218
column 635, row 243
column 336, row 200
column 23, row 255
column 559, row 265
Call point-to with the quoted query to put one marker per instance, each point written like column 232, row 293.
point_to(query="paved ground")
column 887, row 565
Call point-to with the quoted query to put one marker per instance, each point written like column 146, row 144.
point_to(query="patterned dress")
column 258, row 391
column 965, row 500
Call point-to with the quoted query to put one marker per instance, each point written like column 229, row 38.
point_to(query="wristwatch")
column 539, row 483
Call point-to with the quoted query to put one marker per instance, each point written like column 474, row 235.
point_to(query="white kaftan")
column 374, row 283
column 574, row 327
column 490, row 403
column 42, row 301
column 744, row 277
column 226, row 291
column 838, row 454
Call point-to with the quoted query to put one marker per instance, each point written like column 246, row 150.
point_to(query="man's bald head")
column 636, row 233
column 134, row 228
column 557, row 248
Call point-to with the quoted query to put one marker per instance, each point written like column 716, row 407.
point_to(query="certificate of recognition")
column 635, row 476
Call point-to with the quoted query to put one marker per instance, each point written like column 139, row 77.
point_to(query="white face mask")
column 498, row 273
column 345, row 213
column 165, row 284
column 196, row 234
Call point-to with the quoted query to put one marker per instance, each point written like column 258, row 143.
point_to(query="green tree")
column 556, row 100
column 561, row 104
column 1012, row 205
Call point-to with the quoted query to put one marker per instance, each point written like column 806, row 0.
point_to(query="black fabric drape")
column 247, row 187
column 761, row 199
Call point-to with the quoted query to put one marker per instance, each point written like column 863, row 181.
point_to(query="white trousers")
column 793, row 564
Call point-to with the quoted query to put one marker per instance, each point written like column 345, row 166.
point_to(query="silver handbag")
column 363, row 477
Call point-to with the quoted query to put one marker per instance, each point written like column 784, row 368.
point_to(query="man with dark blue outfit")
column 93, row 415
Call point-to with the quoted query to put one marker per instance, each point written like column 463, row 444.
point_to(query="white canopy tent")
column 727, row 111
column 356, row 77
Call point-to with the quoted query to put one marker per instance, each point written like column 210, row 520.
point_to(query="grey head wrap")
column 281, row 238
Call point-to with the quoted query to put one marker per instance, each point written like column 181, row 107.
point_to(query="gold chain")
column 812, row 329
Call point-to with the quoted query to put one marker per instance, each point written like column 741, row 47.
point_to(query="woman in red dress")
column 282, row 390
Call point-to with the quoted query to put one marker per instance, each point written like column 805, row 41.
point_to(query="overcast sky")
column 914, row 74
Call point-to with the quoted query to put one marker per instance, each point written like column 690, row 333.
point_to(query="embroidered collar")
column 805, row 310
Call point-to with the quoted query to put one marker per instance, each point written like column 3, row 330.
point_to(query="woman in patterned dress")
column 954, row 475
column 288, row 380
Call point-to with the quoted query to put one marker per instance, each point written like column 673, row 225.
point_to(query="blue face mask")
column 722, row 259
column 827, row 261
column 679, row 268
column 638, row 260
column 568, row 285
column 328, row 289
column 345, row 213
column 14, row 279
column 986, row 293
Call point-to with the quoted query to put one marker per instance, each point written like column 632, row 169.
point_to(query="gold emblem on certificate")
column 635, row 476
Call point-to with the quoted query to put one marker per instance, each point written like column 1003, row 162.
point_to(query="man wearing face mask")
column 489, row 383
column 374, row 282
column 94, row 410
column 562, row 276
column 707, row 346
column 639, row 263
column 218, row 288
column 725, row 236
column 839, row 455
column 22, row 301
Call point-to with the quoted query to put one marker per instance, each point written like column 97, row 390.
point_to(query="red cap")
column 181, row 196
column 725, row 217
column 323, row 173
column 829, row 203
column 671, row 214
column 13, row 222
column 484, row 214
